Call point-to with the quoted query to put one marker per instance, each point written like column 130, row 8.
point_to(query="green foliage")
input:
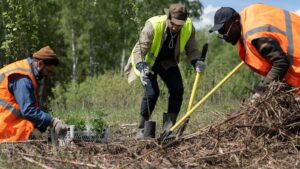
column 98, row 124
column 27, row 26
column 96, row 98
column 109, row 89
column 77, row 121
column 21, row 27
column 83, row 118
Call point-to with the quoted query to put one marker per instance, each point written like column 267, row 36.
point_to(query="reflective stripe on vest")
column 159, row 25
column 10, row 108
column 6, row 105
column 259, row 21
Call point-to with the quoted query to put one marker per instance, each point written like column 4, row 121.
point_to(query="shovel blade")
column 149, row 129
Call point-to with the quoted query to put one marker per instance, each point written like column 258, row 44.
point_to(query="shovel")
column 165, row 134
column 195, row 85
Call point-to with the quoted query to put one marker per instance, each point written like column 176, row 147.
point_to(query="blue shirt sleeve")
column 22, row 89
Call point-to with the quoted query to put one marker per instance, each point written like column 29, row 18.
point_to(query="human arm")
column 191, row 48
column 270, row 50
column 193, row 53
column 141, row 49
column 143, row 44
column 22, row 88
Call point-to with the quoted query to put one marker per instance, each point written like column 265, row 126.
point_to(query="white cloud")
column 207, row 17
column 297, row 12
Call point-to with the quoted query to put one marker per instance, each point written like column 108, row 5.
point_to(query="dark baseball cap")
column 178, row 13
column 222, row 15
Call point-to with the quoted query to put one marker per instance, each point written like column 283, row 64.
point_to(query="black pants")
column 173, row 80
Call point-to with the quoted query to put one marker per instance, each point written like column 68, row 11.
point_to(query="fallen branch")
column 217, row 155
column 27, row 141
column 128, row 125
column 37, row 163
column 62, row 161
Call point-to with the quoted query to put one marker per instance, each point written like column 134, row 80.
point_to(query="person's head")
column 227, row 23
column 45, row 61
column 177, row 15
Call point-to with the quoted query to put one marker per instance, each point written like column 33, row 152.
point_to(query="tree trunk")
column 123, row 62
column 75, row 59
column 91, row 55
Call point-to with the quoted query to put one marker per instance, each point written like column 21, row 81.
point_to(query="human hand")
column 60, row 128
column 254, row 97
column 144, row 72
column 200, row 66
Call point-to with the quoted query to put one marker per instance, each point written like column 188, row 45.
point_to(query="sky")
column 210, row 7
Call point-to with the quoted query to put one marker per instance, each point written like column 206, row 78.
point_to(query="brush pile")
column 263, row 133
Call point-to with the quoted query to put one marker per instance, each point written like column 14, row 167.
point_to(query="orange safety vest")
column 261, row 20
column 12, row 126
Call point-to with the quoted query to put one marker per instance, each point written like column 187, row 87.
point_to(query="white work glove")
column 60, row 128
column 254, row 97
column 144, row 76
column 144, row 72
column 199, row 66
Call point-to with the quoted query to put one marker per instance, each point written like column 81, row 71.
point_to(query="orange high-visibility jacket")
column 12, row 126
column 261, row 20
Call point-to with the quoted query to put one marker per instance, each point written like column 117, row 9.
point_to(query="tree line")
column 90, row 36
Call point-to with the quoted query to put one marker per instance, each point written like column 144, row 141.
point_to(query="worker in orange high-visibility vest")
column 267, row 39
column 19, row 111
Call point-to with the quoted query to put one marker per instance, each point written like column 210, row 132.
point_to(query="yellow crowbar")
column 167, row 133
column 195, row 85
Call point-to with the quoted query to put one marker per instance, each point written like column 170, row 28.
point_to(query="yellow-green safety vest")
column 159, row 23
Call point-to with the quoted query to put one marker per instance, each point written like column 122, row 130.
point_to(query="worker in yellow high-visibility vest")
column 157, row 52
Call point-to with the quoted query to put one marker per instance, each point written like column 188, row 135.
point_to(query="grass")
column 111, row 98
column 10, row 162
column 203, row 116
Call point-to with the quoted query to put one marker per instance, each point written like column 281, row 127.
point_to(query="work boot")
column 169, row 119
column 142, row 122
column 140, row 130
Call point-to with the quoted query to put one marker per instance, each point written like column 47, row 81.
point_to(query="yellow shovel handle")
column 206, row 97
column 192, row 98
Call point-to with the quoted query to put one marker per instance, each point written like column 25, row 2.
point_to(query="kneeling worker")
column 19, row 111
